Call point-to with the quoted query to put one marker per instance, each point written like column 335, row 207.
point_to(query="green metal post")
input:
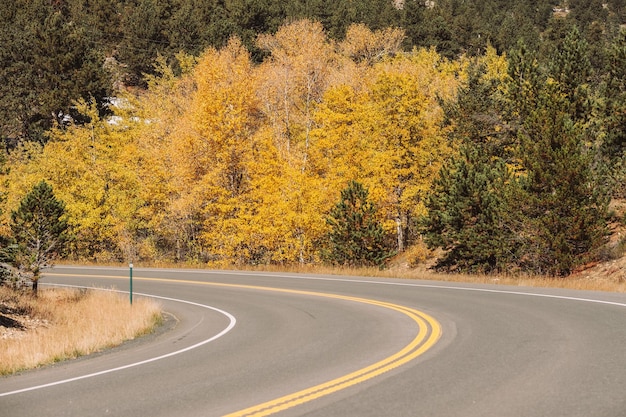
column 131, row 284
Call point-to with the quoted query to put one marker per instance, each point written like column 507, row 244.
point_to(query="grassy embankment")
column 62, row 324
column 593, row 279
column 607, row 276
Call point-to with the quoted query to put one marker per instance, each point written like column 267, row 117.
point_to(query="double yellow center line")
column 428, row 334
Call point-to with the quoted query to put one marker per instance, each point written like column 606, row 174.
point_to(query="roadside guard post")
column 131, row 283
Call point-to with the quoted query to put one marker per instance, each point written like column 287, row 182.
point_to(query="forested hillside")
column 258, row 132
column 56, row 51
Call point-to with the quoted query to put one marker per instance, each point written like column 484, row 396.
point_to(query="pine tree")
column 357, row 237
column 197, row 24
column 560, row 207
column 571, row 68
column 144, row 27
column 613, row 147
column 467, row 203
column 47, row 60
column 475, row 116
column 551, row 215
column 40, row 230
column 467, row 212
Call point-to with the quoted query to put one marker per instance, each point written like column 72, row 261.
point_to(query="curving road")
column 292, row 345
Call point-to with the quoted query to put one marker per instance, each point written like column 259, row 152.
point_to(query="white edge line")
column 230, row 326
column 487, row 290
column 445, row 287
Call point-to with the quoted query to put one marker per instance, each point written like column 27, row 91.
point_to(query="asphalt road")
column 295, row 345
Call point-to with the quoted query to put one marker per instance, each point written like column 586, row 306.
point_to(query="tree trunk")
column 35, row 285
column 400, row 234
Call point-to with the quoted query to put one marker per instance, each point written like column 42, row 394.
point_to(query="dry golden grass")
column 609, row 276
column 587, row 280
column 62, row 324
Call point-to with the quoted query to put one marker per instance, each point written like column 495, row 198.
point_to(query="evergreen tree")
column 613, row 147
column 429, row 27
column 525, row 80
column 571, row 68
column 586, row 12
column 357, row 237
column 551, row 215
column 520, row 21
column 475, row 116
column 101, row 20
column 467, row 213
column 144, row 37
column 197, row 24
column 40, row 229
column 47, row 60
column 561, row 212
column 467, row 205
column 560, row 207
column 7, row 260
column 256, row 17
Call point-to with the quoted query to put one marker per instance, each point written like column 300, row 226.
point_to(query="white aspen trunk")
column 400, row 233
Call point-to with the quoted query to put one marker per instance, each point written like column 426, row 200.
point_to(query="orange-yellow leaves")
column 388, row 135
column 293, row 80
column 363, row 45
column 237, row 163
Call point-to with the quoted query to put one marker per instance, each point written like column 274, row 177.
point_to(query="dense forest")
column 240, row 132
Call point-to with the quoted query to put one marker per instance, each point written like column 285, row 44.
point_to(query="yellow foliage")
column 237, row 163
column 293, row 80
column 417, row 254
column 90, row 168
column 363, row 45
column 388, row 136
column 496, row 65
